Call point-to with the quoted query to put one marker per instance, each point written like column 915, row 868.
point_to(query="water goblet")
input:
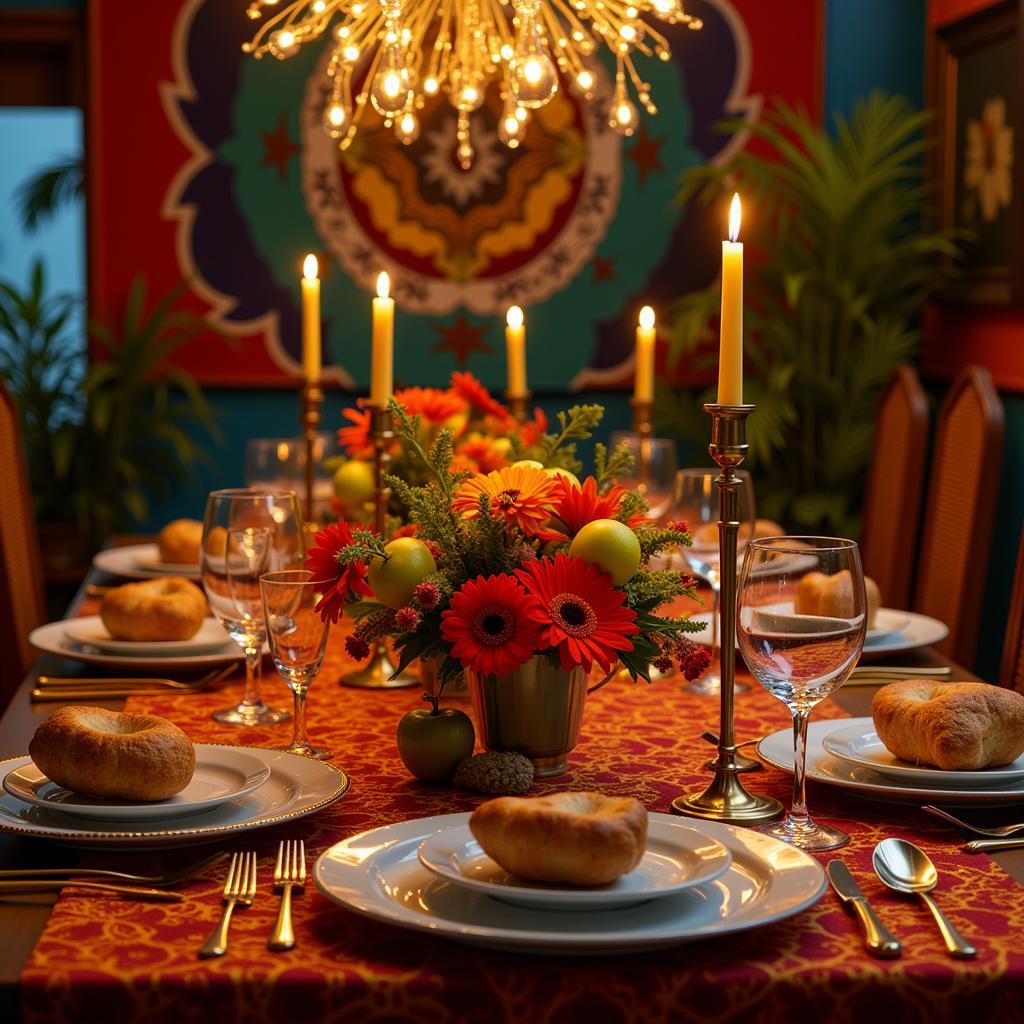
column 298, row 639
column 800, row 659
column 654, row 469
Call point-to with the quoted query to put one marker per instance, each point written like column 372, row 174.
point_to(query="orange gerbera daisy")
column 339, row 582
column 576, row 505
column 467, row 387
column 356, row 439
column 492, row 624
column 521, row 495
column 431, row 404
column 587, row 618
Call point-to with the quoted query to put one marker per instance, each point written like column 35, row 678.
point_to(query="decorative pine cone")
column 499, row 773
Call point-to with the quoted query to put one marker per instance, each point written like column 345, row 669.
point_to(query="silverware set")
column 240, row 891
column 1000, row 837
column 904, row 868
column 54, row 688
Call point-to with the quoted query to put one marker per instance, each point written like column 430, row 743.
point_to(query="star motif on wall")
column 278, row 148
column 646, row 154
column 604, row 269
column 461, row 339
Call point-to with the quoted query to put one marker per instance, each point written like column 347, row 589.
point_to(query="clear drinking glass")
column 654, row 469
column 245, row 534
column 279, row 464
column 797, row 657
column 298, row 639
column 696, row 501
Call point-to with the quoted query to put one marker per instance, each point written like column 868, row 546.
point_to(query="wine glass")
column 696, row 501
column 298, row 639
column 654, row 469
column 247, row 533
column 797, row 657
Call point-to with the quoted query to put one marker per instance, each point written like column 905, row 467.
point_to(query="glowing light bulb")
column 522, row 114
column 431, row 85
column 389, row 91
column 534, row 79
column 511, row 130
column 319, row 6
column 407, row 128
column 623, row 117
column 350, row 53
column 507, row 52
column 335, row 120
column 585, row 83
column 665, row 8
column 283, row 44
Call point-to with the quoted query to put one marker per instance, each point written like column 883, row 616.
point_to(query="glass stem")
column 300, row 738
column 798, row 812
column 253, row 671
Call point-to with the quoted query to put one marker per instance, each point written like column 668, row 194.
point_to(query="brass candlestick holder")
column 312, row 398
column 726, row 799
column 642, row 409
column 519, row 403
column 377, row 672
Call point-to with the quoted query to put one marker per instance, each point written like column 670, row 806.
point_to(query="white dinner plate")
column 887, row 622
column 53, row 639
column 777, row 750
column 88, row 630
column 140, row 562
column 862, row 746
column 297, row 786
column 679, row 855
column 379, row 875
column 222, row 774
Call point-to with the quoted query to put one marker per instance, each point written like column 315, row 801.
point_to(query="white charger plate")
column 297, row 786
column 89, row 630
column 378, row 874
column 679, row 856
column 52, row 639
column 140, row 562
column 777, row 750
column 862, row 746
column 222, row 774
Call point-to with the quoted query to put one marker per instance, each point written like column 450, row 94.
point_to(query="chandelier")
column 394, row 55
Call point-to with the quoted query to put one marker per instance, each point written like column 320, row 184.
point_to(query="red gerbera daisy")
column 356, row 439
column 533, row 430
column 467, row 387
column 587, row 618
column 339, row 581
column 577, row 505
column 492, row 624
column 431, row 404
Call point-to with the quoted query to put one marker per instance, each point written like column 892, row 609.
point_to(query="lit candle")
column 515, row 348
column 310, row 320
column 643, row 388
column 730, row 355
column 382, row 351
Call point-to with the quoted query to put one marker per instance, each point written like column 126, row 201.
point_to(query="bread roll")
column 179, row 542
column 156, row 610
column 832, row 596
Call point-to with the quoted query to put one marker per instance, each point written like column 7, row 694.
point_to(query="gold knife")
column 878, row 940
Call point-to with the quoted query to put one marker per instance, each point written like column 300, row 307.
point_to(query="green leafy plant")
column 839, row 272
column 42, row 195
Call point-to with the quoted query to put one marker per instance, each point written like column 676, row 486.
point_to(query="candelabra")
column 642, row 409
column 377, row 673
column 312, row 398
column 726, row 799
column 519, row 403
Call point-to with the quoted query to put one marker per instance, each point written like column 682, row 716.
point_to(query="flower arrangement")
column 511, row 563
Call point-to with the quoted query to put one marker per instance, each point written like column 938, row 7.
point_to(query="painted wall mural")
column 227, row 179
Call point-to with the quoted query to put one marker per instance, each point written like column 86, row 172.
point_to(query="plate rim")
column 94, row 836
column 589, row 898
column 150, row 645
column 134, row 571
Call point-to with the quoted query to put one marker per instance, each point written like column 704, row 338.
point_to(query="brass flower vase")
column 536, row 710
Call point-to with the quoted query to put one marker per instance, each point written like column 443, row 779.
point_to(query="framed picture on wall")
column 978, row 162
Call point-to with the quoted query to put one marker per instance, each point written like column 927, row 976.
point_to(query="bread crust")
column 820, row 594
column 113, row 754
column 179, row 542
column 952, row 726
column 565, row 838
column 164, row 609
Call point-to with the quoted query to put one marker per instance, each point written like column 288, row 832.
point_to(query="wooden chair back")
column 892, row 504
column 1012, row 670
column 961, row 507
column 22, row 605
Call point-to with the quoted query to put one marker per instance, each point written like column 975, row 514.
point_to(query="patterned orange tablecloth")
column 107, row 959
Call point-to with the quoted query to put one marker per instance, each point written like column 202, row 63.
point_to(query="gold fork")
column 52, row 688
column 239, row 890
column 289, row 874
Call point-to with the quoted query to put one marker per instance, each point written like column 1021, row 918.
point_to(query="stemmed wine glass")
column 298, row 639
column 801, row 658
column 245, row 534
column 654, row 469
column 696, row 501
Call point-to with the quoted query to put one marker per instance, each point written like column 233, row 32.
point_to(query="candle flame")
column 383, row 284
column 647, row 318
column 734, row 218
column 310, row 268
column 514, row 317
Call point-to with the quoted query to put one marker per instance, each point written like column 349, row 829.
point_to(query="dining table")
column 84, row 955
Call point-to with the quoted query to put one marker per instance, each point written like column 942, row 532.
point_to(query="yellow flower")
column 988, row 159
column 521, row 495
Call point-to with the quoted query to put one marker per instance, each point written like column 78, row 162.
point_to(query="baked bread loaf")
column 819, row 594
column 179, row 542
column 165, row 609
column 952, row 726
column 107, row 753
column 566, row 838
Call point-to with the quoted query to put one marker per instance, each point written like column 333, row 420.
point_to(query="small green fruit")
column 409, row 562
column 353, row 483
column 431, row 744
column 558, row 471
column 528, row 464
column 609, row 544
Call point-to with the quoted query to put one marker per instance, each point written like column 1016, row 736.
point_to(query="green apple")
column 609, row 544
column 528, row 464
column 409, row 562
column 558, row 471
column 353, row 483
column 431, row 743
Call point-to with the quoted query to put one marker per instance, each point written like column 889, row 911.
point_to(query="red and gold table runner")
column 129, row 961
